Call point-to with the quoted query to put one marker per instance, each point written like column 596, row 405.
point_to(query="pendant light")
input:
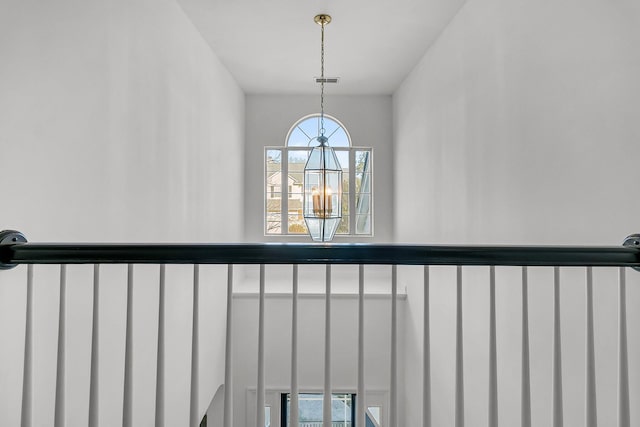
column 322, row 173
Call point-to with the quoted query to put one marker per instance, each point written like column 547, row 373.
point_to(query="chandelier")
column 322, row 204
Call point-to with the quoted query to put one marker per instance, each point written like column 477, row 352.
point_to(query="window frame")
column 284, row 404
column 285, row 195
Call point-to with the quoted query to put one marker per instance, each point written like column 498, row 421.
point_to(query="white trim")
column 308, row 116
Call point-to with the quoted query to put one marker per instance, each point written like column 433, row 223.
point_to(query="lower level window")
column 343, row 412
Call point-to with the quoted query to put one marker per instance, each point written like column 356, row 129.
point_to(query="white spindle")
column 127, row 407
column 95, row 347
column 326, row 402
column 623, row 363
column 260, row 388
column 426, row 351
column 294, row 414
column 557, row 352
column 27, row 376
column 195, row 350
column 493, row 362
column 526, row 376
column 160, row 361
column 360, row 396
column 459, row 405
column 393, row 389
column 228, row 360
column 591, row 414
column 60, row 370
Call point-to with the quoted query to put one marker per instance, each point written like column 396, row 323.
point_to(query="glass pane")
column 362, row 161
column 298, row 138
column 296, row 179
column 306, row 132
column 323, row 158
column 273, row 214
column 363, row 224
column 345, row 183
column 273, row 159
column 343, row 158
column 363, row 191
column 322, row 190
column 311, row 128
column 297, row 160
column 295, row 215
column 310, row 410
column 343, row 228
column 273, row 227
column 274, row 206
column 273, row 184
column 298, row 227
column 297, row 157
column 373, row 414
column 363, row 182
column 267, row 416
column 339, row 138
column 363, row 203
column 330, row 127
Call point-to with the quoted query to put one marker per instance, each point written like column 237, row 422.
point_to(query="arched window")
column 284, row 179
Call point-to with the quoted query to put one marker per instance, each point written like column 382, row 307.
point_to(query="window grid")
column 286, row 197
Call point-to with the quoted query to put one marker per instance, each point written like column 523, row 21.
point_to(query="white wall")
column 117, row 123
column 520, row 125
column 311, row 346
column 268, row 120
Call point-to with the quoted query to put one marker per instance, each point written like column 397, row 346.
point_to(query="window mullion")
column 284, row 192
column 352, row 191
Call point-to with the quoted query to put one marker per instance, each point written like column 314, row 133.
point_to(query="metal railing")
column 14, row 250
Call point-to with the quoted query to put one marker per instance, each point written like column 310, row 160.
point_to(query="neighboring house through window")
column 284, row 179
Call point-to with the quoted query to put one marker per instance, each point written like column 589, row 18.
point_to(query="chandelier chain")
column 322, row 80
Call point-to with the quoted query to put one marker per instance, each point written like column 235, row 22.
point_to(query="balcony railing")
column 15, row 250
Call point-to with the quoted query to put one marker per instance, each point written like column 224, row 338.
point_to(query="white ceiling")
column 273, row 47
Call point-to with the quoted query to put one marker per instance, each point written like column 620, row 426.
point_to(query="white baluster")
column 160, row 362
column 260, row 388
column 127, row 407
column 557, row 352
column 27, row 376
column 60, row 371
column 426, row 351
column 360, row 396
column 228, row 360
column 94, row 385
column 526, row 376
column 195, row 350
column 591, row 414
column 393, row 389
column 294, row 414
column 623, row 363
column 459, row 405
column 493, row 362
column 326, row 403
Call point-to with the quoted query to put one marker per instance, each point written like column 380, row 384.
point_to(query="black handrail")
column 13, row 252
